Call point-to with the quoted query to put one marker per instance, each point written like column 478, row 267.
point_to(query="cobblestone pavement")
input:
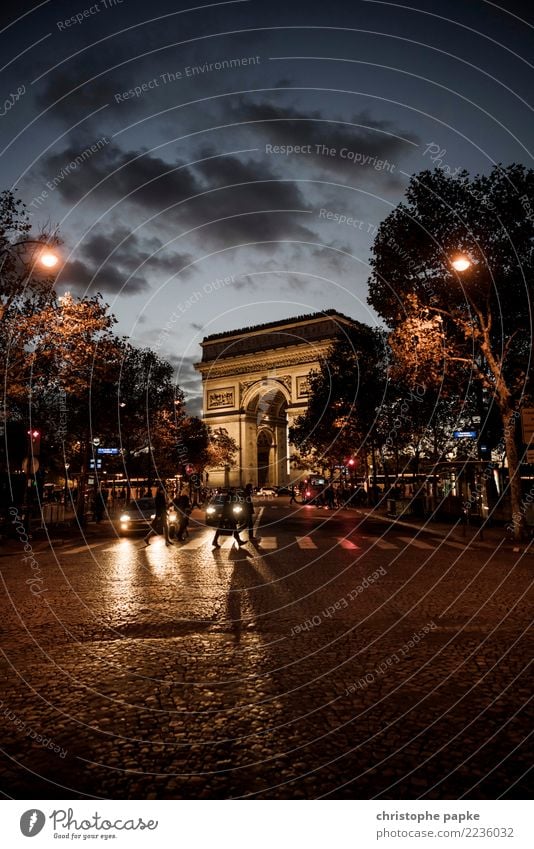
column 336, row 656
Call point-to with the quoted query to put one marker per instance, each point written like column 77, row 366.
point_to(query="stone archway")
column 265, row 444
column 255, row 384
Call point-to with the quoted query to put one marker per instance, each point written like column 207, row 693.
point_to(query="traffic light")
column 35, row 441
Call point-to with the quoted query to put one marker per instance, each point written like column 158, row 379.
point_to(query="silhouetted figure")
column 99, row 504
column 249, row 510
column 183, row 509
column 228, row 521
column 160, row 519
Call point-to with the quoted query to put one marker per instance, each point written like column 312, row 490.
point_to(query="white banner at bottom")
column 227, row 824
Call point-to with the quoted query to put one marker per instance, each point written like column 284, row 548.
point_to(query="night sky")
column 156, row 135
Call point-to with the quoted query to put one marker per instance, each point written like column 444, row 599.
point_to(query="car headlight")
column 152, row 517
column 125, row 517
column 210, row 511
column 172, row 518
column 238, row 509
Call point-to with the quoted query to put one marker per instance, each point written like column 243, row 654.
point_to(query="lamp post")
column 46, row 257
column 30, row 468
column 462, row 263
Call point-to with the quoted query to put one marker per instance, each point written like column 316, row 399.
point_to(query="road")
column 336, row 657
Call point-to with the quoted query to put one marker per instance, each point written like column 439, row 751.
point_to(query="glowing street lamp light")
column 461, row 263
column 49, row 259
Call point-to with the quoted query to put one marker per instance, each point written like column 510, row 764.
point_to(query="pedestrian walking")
column 160, row 518
column 329, row 497
column 293, row 499
column 99, row 505
column 228, row 521
column 248, row 504
column 183, row 509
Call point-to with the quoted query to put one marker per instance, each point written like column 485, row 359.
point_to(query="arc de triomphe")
column 255, row 382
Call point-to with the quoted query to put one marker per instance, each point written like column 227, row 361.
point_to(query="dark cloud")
column 251, row 203
column 68, row 95
column 246, row 197
column 278, row 124
column 118, row 261
column 112, row 173
column 129, row 251
column 81, row 276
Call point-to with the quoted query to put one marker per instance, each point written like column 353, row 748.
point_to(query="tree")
column 76, row 353
column 450, row 327
column 222, row 448
column 345, row 394
column 26, row 288
column 150, row 409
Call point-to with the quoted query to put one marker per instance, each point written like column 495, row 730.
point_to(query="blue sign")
column 108, row 450
column 465, row 434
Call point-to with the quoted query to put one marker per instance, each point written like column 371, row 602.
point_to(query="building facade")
column 255, row 383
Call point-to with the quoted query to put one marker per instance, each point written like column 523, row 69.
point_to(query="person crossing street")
column 249, row 511
column 160, row 519
column 228, row 522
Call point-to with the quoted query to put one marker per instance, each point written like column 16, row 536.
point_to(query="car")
column 139, row 514
column 215, row 508
column 283, row 490
column 266, row 490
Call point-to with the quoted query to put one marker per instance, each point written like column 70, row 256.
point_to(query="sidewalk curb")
column 507, row 545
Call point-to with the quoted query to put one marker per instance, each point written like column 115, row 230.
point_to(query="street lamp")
column 49, row 259
column 461, row 263
column 46, row 257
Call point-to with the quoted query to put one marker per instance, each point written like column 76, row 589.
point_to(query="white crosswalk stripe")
column 385, row 546
column 417, row 543
column 346, row 543
column 451, row 542
column 84, row 548
column 305, row 542
column 267, row 542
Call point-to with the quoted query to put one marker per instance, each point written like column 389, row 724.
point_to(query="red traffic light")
column 35, row 440
column 350, row 462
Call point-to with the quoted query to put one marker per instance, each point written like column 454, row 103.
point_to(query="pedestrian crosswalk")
column 283, row 541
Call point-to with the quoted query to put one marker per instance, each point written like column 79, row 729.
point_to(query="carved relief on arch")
column 245, row 385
